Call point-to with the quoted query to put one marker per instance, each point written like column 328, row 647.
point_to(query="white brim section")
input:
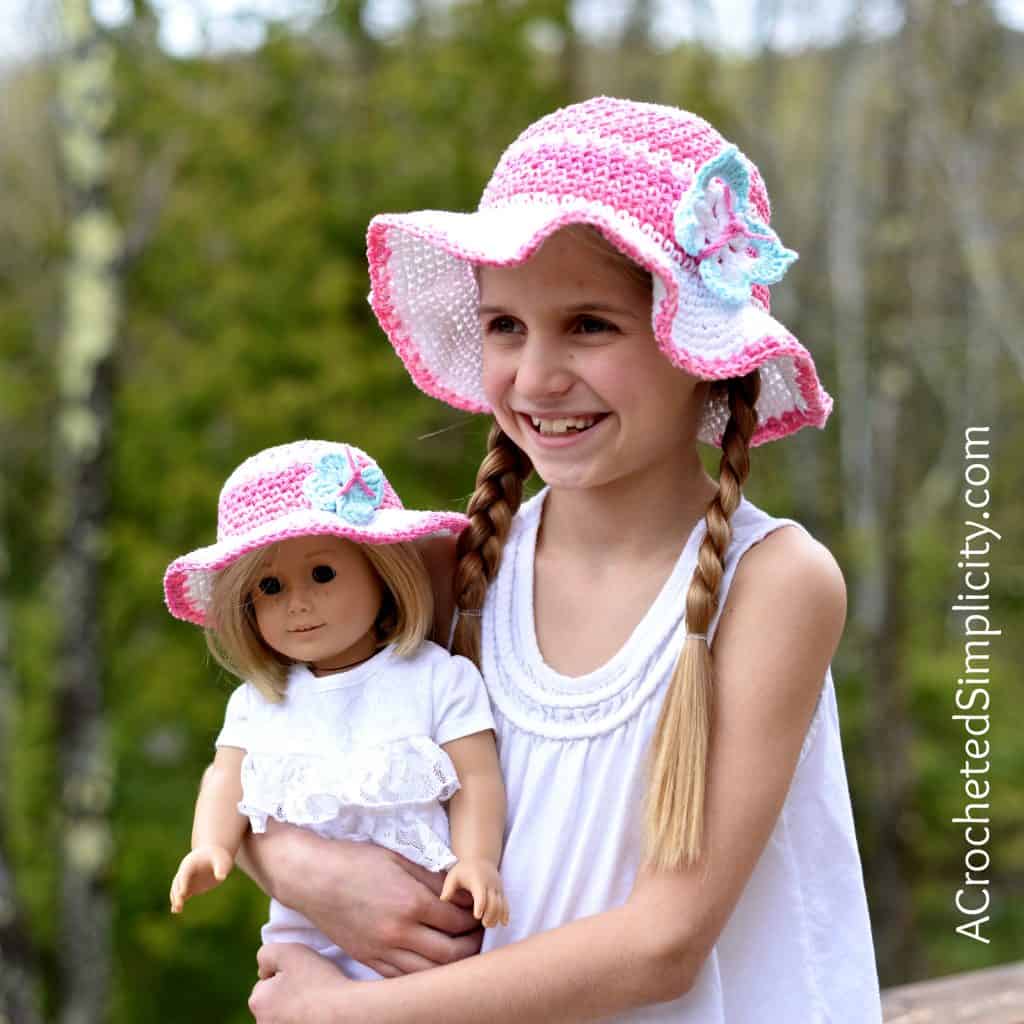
column 188, row 582
column 425, row 295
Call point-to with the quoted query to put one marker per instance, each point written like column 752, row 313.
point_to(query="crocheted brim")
column 425, row 295
column 188, row 582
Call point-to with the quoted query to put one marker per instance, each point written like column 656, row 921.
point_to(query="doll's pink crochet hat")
column 667, row 190
column 295, row 490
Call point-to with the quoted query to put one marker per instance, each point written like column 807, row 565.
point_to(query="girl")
column 680, row 844
column 349, row 723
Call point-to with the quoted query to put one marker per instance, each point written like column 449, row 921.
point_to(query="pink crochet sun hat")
column 665, row 188
column 295, row 490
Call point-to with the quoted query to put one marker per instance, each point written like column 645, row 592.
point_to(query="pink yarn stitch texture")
column 622, row 167
column 264, row 502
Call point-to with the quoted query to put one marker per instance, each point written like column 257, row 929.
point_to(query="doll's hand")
column 481, row 878
column 204, row 868
column 298, row 986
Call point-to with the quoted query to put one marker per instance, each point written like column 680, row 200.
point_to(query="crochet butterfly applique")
column 715, row 224
column 339, row 485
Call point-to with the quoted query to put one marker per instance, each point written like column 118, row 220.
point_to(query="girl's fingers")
column 268, row 959
column 446, row 917
column 383, row 969
column 401, row 961
column 433, row 880
column 427, row 947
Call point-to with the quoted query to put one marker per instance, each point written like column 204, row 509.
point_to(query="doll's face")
column 316, row 600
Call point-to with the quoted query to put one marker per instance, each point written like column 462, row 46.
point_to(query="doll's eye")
column 270, row 585
column 323, row 574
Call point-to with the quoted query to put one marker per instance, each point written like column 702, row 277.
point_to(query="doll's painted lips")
column 305, row 629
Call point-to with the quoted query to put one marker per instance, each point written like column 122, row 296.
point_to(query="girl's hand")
column 481, row 878
column 298, row 986
column 204, row 868
column 380, row 908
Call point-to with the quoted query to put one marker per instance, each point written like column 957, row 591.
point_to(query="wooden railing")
column 992, row 996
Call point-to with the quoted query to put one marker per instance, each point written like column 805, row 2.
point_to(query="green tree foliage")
column 245, row 183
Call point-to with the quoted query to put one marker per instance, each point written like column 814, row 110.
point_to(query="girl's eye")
column 270, row 585
column 502, row 325
column 323, row 574
column 593, row 325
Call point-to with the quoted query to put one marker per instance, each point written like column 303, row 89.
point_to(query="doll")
column 349, row 722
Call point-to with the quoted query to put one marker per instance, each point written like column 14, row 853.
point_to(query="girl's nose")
column 543, row 371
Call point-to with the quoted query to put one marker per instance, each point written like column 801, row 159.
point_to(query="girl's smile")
column 565, row 429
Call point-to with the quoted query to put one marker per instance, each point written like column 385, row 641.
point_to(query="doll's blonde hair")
column 233, row 636
column 673, row 811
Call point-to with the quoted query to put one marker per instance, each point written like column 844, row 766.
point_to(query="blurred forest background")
column 183, row 282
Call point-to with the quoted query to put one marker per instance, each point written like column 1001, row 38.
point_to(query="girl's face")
column 316, row 600
column 573, row 372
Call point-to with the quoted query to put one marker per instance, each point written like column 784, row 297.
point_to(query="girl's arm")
column 216, row 831
column 779, row 629
column 382, row 909
column 476, row 814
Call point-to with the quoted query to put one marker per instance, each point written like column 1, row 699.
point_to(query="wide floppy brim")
column 424, row 292
column 188, row 582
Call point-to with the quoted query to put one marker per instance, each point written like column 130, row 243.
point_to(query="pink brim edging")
column 424, row 295
column 188, row 580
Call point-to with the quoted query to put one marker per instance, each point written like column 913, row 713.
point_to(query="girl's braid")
column 734, row 467
column 677, row 764
column 498, row 494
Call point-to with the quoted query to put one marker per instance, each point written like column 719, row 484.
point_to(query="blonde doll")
column 349, row 722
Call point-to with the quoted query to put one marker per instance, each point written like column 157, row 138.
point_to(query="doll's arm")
column 476, row 816
column 216, row 831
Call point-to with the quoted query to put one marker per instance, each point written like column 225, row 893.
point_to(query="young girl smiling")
column 680, row 843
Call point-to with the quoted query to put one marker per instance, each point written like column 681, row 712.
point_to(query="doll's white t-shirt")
column 797, row 948
column 358, row 755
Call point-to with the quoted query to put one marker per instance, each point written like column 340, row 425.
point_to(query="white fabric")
column 797, row 948
column 358, row 755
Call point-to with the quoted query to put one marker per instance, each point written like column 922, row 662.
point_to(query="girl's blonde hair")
column 233, row 637
column 677, row 758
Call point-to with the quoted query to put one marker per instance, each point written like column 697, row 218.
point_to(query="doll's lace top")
column 358, row 754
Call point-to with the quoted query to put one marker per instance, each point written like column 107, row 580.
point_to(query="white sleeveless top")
column 797, row 948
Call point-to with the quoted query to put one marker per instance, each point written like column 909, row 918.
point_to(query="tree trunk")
column 19, row 982
column 89, row 331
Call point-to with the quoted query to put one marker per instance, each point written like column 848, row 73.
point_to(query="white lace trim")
column 373, row 783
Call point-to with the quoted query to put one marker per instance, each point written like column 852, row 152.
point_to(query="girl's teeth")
column 562, row 426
